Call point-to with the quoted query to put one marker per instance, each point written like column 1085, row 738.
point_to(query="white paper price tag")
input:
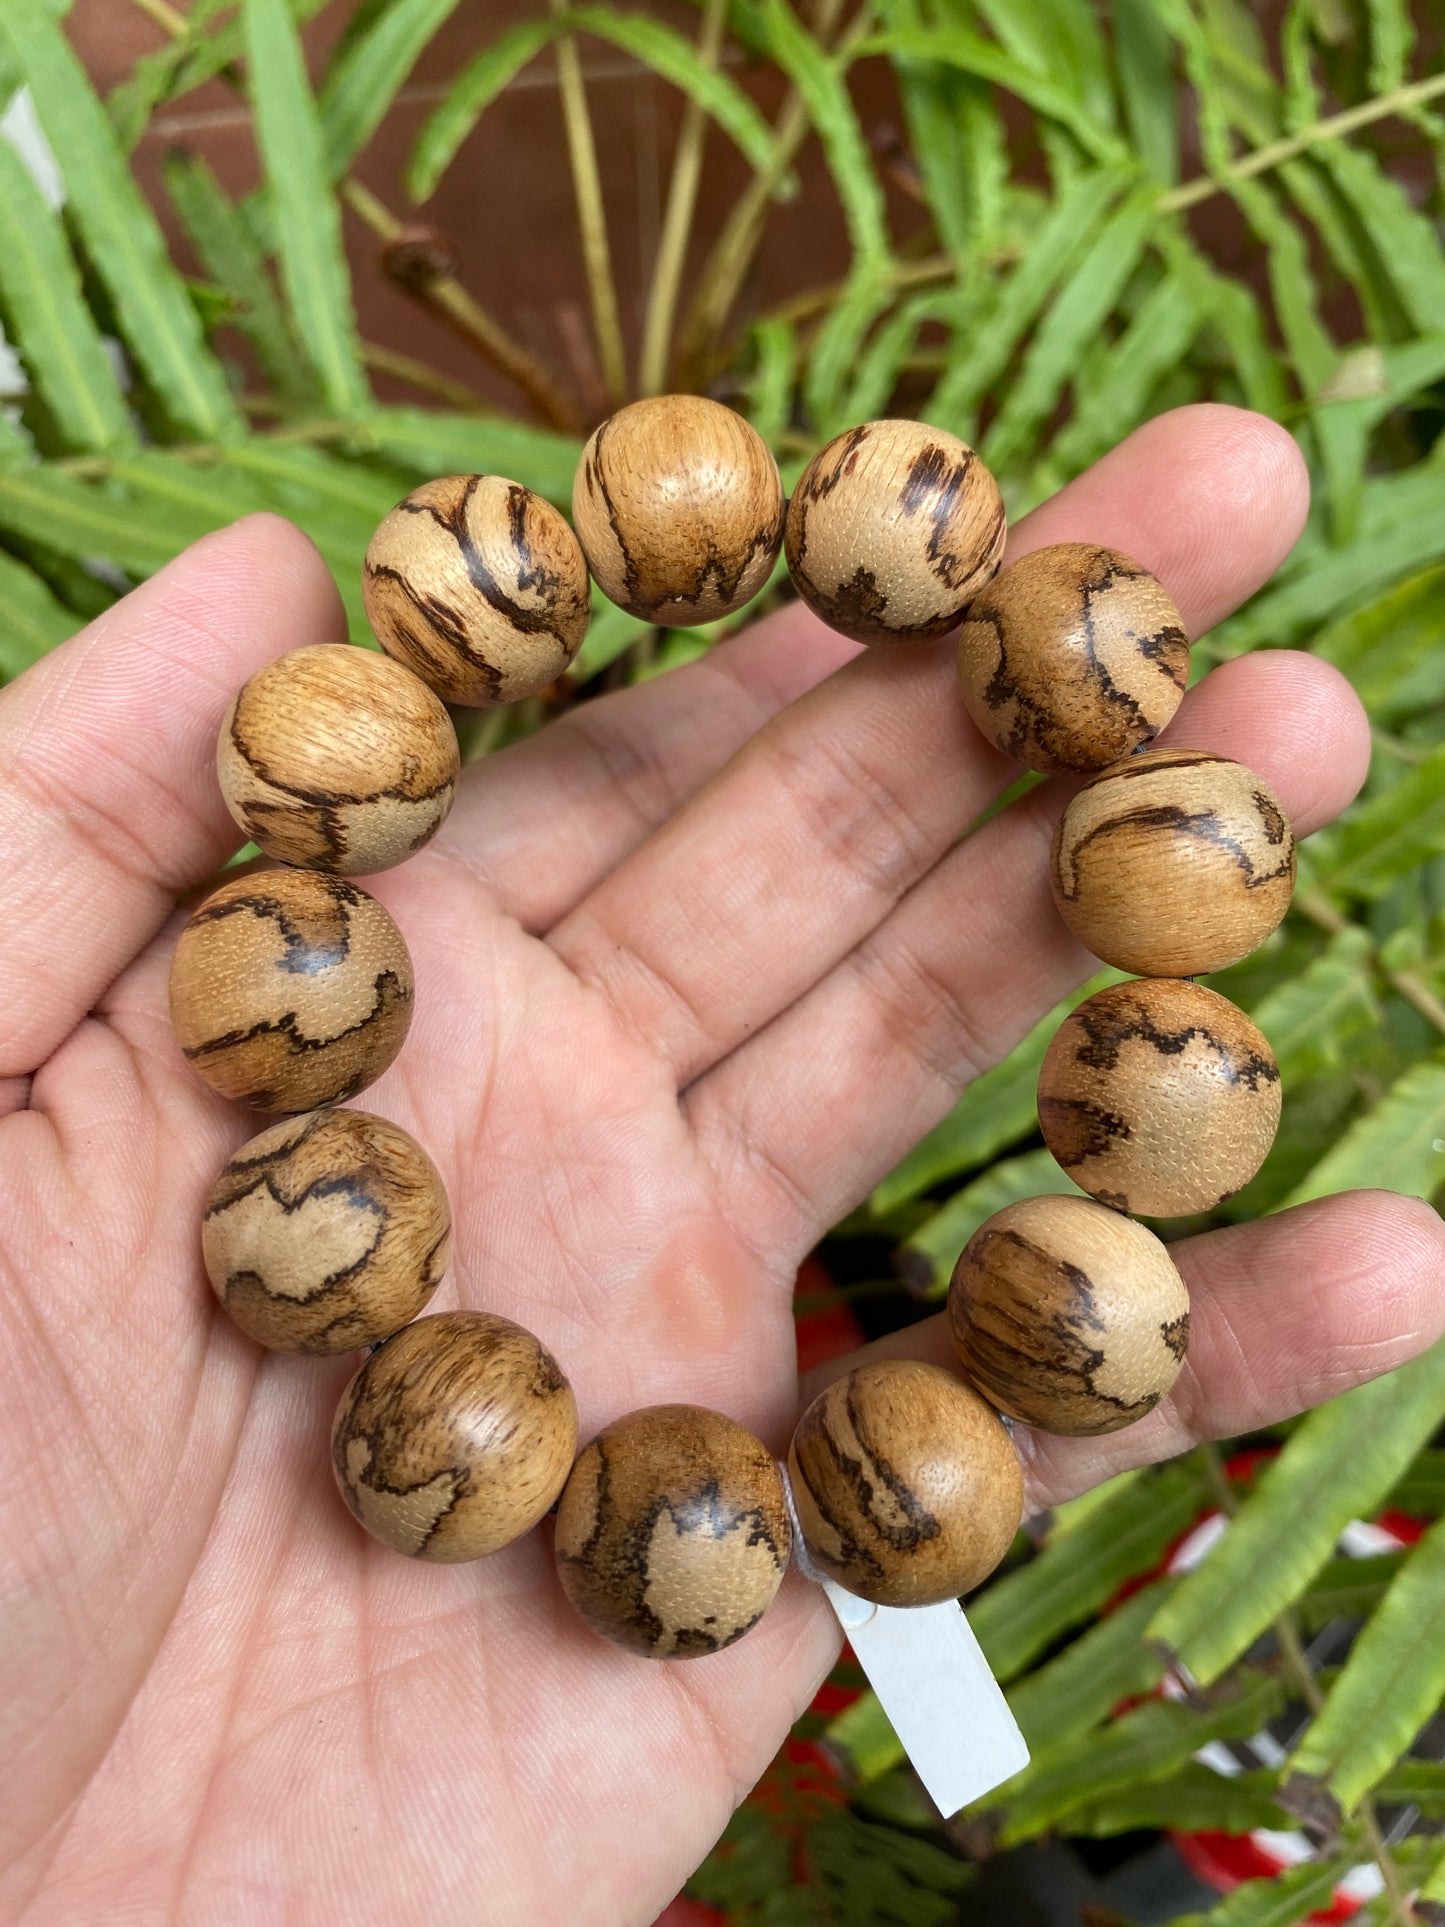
column 942, row 1701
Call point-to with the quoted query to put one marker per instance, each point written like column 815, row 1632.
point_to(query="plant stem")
column 677, row 219
column 421, row 375
column 166, row 18
column 1406, row 983
column 591, row 214
column 446, row 296
column 733, row 251
column 1334, row 127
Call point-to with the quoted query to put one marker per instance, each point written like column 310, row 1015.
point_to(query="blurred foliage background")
column 1076, row 215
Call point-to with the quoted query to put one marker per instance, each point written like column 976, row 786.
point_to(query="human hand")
column 695, row 967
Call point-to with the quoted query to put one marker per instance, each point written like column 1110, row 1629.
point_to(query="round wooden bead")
column 337, row 759
column 1068, row 1316
column 1159, row 1097
column 478, row 585
column 290, row 990
column 673, row 1533
column 326, row 1233
column 1174, row 863
column 893, row 530
column 679, row 508
column 907, row 1487
column 1072, row 657
column 455, row 1437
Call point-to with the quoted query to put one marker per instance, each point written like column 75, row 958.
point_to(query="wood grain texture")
column 326, row 1233
column 1174, row 863
column 907, row 1487
column 290, row 990
column 679, row 508
column 673, row 1532
column 1159, row 1097
column 455, row 1437
column 1068, row 1316
column 337, row 759
column 892, row 531
column 1072, row 657
column 479, row 586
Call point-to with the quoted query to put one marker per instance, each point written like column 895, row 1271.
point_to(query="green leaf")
column 656, row 45
column 838, row 346
column 1105, row 1665
column 1081, row 309
column 31, row 620
column 830, row 109
column 363, row 81
column 436, row 444
column 230, row 252
column 929, row 1254
column 1395, row 831
column 122, row 236
column 1311, row 1017
column 1145, row 54
column 1398, row 1145
column 1282, row 1902
column 1347, row 1589
column 1147, row 1743
column 48, row 321
column 83, row 520
column 1066, row 234
column 1336, row 1466
column 307, row 217
column 958, row 140
column 468, row 98
column 770, row 385
column 1389, row 1687
column 986, row 60
column 1393, row 649
column 1060, row 38
column 1196, row 1799
column 1019, row 1616
column 1405, row 240
column 152, row 78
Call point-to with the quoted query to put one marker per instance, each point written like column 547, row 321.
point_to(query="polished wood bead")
column 479, row 586
column 907, row 1487
column 1159, row 1097
column 455, row 1437
column 326, row 1233
column 1068, row 1316
column 679, row 508
column 1072, row 657
column 290, row 990
column 893, row 530
column 337, row 759
column 1174, row 863
column 673, row 1533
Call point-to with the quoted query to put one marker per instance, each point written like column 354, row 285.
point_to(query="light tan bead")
column 290, row 990
column 455, row 1438
column 907, row 1487
column 1174, row 863
column 337, row 759
column 893, row 530
column 1159, row 1097
column 478, row 585
column 679, row 508
column 326, row 1233
column 1068, row 1316
column 1072, row 657
column 673, row 1533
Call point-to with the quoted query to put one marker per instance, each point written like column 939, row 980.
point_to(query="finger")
column 966, row 964
column 827, row 818
column 1284, row 1314
column 543, row 822
column 108, row 795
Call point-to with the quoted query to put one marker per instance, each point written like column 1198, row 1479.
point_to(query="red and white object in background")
column 1225, row 1860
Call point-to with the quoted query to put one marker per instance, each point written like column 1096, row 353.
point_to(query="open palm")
column 694, row 968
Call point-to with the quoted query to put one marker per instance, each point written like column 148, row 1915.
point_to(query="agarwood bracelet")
column 291, row 991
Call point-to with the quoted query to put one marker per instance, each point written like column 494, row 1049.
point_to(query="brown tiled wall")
column 507, row 204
